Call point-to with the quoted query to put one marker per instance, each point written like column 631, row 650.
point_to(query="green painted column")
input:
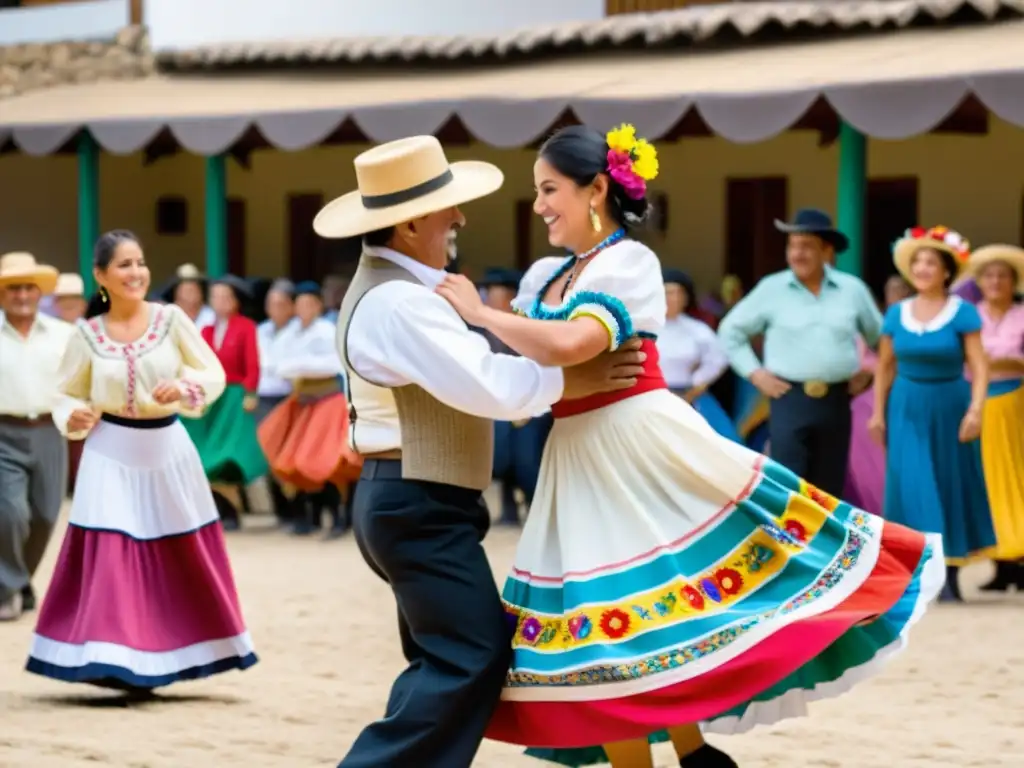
column 851, row 196
column 216, row 216
column 88, row 205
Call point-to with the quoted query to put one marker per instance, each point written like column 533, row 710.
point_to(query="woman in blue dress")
column 926, row 413
column 691, row 356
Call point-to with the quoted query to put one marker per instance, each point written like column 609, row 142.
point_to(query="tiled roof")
column 704, row 25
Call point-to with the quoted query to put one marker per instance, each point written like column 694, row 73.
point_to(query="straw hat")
column 940, row 238
column 69, row 284
column 20, row 267
column 403, row 180
column 1008, row 254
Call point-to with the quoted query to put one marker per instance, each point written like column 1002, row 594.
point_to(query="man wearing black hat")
column 518, row 445
column 811, row 315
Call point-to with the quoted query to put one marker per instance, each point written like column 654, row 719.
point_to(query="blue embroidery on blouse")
column 541, row 311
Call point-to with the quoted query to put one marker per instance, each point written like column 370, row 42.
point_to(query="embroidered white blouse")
column 622, row 288
column 690, row 353
column 108, row 376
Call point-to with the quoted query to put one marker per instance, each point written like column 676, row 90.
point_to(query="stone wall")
column 32, row 66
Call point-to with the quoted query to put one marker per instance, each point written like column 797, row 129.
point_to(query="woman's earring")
column 595, row 220
column 103, row 295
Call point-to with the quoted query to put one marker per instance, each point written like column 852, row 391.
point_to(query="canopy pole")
column 851, row 196
column 216, row 216
column 88, row 205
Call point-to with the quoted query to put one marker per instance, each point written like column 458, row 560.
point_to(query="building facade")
column 717, row 197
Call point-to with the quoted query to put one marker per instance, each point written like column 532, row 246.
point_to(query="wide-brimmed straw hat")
column 940, row 238
column 21, row 267
column 404, row 180
column 1010, row 255
column 69, row 284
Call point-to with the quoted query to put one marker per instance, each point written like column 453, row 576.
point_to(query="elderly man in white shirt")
column 33, row 455
column 423, row 390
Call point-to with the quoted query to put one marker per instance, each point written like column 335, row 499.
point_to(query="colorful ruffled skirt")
column 667, row 575
column 1002, row 456
column 305, row 439
column 142, row 593
column 225, row 436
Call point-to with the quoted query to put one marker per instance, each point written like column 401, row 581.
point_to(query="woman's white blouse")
column 308, row 353
column 691, row 354
column 108, row 376
column 622, row 288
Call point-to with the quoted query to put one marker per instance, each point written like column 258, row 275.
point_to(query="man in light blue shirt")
column 810, row 316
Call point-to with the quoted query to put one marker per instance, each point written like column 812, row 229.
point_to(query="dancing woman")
column 142, row 595
column 667, row 576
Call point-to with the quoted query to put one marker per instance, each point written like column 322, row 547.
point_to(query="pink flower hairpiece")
column 632, row 162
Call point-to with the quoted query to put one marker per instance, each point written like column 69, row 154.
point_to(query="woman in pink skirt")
column 142, row 595
column 865, row 475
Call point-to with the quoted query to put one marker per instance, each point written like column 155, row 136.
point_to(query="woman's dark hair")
column 102, row 254
column 581, row 153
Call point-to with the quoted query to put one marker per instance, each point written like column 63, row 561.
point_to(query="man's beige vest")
column 439, row 443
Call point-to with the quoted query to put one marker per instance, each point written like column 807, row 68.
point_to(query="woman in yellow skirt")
column 999, row 272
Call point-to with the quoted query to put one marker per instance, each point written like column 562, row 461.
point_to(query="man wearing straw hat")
column 423, row 390
column 33, row 455
column 70, row 302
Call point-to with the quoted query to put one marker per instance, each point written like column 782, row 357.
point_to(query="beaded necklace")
column 609, row 241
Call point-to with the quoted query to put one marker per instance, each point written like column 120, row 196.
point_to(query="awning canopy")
column 891, row 86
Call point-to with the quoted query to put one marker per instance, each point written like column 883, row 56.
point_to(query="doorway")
column 754, row 247
column 891, row 209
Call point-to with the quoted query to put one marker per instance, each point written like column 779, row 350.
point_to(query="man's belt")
column 395, row 454
column 316, row 388
column 817, row 389
column 40, row 420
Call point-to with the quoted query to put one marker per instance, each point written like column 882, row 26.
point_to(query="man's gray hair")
column 284, row 286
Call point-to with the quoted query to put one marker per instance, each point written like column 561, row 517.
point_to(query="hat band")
column 374, row 202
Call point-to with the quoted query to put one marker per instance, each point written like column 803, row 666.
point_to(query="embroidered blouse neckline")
column 941, row 320
column 565, row 266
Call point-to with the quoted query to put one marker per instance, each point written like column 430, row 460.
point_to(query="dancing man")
column 33, row 455
column 424, row 389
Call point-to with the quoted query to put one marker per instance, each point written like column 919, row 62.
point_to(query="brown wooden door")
column 754, row 247
column 891, row 208
column 237, row 252
column 303, row 242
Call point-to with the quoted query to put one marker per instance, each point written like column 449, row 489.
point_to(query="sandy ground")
column 325, row 631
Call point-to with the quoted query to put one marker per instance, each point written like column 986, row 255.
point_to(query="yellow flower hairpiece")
column 642, row 154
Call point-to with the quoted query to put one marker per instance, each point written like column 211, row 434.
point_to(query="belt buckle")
column 815, row 389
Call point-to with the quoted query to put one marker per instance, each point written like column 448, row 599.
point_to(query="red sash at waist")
column 648, row 381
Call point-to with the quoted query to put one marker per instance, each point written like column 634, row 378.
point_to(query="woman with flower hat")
column 934, row 479
column 667, row 576
column 999, row 273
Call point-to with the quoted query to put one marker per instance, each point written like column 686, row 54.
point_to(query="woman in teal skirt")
column 226, row 435
column 926, row 414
